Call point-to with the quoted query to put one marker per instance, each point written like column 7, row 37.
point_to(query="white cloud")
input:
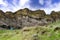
column 23, row 2
column 51, row 7
column 41, row 2
column 3, row 3
column 14, row 7
column 55, row 7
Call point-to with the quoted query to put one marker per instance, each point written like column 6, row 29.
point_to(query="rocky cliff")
column 26, row 17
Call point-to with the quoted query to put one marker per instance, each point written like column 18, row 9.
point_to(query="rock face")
column 26, row 17
column 55, row 15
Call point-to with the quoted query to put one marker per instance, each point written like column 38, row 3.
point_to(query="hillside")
column 50, row 32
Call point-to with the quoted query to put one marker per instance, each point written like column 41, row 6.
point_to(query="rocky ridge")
column 25, row 17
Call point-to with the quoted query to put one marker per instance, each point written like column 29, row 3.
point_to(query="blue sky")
column 14, row 5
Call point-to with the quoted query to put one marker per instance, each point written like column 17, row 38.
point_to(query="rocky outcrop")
column 26, row 17
column 55, row 15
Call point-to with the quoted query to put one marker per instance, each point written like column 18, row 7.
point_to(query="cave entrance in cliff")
column 3, row 26
column 10, row 27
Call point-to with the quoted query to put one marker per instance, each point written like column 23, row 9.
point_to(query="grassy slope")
column 43, row 33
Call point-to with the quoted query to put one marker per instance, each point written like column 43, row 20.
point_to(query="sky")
column 14, row 5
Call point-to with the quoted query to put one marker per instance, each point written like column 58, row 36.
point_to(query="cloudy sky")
column 14, row 5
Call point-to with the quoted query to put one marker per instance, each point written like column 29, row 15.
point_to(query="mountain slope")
column 50, row 32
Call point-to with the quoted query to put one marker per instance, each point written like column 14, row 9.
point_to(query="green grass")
column 27, row 33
